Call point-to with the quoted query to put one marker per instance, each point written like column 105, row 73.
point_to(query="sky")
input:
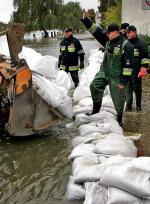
column 6, row 7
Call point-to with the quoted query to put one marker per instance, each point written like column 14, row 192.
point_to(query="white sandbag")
column 118, row 196
column 94, row 127
column 115, row 144
column 132, row 176
column 31, row 56
column 77, row 140
column 103, row 126
column 65, row 107
column 84, row 119
column 4, row 50
column 74, row 191
column 96, row 135
column 47, row 66
column 86, row 102
column 107, row 101
column 81, row 92
column 91, row 138
column 50, row 92
column 62, row 79
column 87, row 173
column 109, row 110
column 113, row 160
column 81, row 109
column 96, row 56
column 85, row 160
column 82, row 150
column 95, row 194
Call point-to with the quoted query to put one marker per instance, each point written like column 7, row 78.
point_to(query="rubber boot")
column 96, row 108
column 138, row 102
column 119, row 119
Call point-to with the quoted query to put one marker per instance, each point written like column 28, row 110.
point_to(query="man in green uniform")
column 116, row 68
column 140, row 61
column 70, row 50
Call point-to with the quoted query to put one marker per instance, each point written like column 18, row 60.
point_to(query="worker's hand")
column 121, row 86
column 81, row 64
column 143, row 72
column 84, row 13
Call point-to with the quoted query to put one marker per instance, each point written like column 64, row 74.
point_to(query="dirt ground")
column 139, row 122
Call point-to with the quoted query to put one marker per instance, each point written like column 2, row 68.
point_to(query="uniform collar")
column 70, row 38
column 117, row 38
column 132, row 40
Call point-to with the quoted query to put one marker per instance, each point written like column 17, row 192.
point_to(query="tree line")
column 52, row 14
column 47, row 14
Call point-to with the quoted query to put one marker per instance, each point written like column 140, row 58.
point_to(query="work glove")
column 81, row 64
column 143, row 72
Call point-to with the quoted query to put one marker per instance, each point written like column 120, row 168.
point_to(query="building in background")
column 137, row 13
column 98, row 18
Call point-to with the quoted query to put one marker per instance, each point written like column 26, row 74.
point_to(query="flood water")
column 35, row 170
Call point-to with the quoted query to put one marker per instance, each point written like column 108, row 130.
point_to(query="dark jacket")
column 70, row 50
column 140, row 55
column 112, row 47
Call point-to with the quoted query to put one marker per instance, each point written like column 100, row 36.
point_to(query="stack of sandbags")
column 102, row 157
column 48, row 81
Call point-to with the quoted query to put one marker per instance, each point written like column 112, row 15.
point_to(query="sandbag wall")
column 105, row 167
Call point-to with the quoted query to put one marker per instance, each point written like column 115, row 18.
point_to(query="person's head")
column 123, row 27
column 113, row 31
column 68, row 32
column 131, row 32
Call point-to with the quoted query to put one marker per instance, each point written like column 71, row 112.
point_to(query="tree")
column 35, row 13
column 105, row 5
column 47, row 14
column 70, row 16
column 113, row 14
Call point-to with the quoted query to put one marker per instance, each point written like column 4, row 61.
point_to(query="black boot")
column 138, row 109
column 119, row 119
column 96, row 108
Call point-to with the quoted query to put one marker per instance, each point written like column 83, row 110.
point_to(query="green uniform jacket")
column 119, row 51
column 141, row 58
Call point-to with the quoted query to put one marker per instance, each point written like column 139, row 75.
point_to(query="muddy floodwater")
column 35, row 170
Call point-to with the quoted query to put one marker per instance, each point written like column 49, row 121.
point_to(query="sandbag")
column 132, row 176
column 103, row 126
column 81, row 109
column 62, row 79
column 84, row 119
column 118, row 196
column 74, row 191
column 95, row 194
column 115, row 144
column 66, row 107
column 86, row 173
column 83, row 150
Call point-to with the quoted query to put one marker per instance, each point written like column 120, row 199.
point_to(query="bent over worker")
column 70, row 50
column 140, row 61
column 116, row 68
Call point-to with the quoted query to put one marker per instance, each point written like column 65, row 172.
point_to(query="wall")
column 132, row 13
